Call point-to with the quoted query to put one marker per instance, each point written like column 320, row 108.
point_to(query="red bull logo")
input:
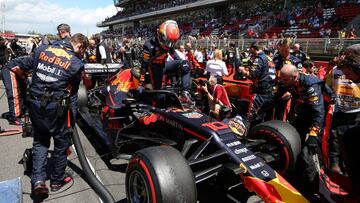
column 122, row 81
column 54, row 60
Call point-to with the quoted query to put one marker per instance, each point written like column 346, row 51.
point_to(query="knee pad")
column 184, row 67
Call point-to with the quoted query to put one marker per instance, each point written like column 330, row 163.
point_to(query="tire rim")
column 138, row 188
column 280, row 154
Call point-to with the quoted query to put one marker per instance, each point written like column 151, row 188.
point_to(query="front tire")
column 159, row 175
column 286, row 141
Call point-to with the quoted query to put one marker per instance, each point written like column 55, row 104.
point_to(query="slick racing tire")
column 159, row 175
column 283, row 141
column 82, row 96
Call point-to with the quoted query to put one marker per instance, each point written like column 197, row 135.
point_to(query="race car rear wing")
column 97, row 68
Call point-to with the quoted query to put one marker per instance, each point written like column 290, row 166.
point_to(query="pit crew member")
column 258, row 72
column 57, row 71
column 14, row 78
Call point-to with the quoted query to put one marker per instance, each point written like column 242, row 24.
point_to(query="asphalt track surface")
column 12, row 148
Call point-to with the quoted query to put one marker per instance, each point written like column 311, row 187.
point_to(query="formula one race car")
column 172, row 149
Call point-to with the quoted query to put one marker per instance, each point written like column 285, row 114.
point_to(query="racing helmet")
column 168, row 33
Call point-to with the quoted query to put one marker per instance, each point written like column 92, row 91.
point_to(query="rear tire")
column 160, row 174
column 82, row 96
column 286, row 140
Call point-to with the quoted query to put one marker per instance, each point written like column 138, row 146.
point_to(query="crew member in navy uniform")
column 284, row 57
column 3, row 52
column 90, row 54
column 307, row 92
column 258, row 72
column 156, row 52
column 309, row 111
column 280, row 59
column 57, row 71
column 64, row 33
column 298, row 53
column 14, row 78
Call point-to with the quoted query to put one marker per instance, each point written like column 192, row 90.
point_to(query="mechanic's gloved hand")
column 311, row 142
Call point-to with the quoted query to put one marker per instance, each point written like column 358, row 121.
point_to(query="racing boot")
column 40, row 188
column 6, row 115
column 57, row 186
column 16, row 121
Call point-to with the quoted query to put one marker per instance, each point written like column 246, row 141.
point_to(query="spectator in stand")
column 250, row 33
column 342, row 33
column 322, row 32
column 217, row 66
column 328, row 32
column 351, row 34
column 274, row 36
column 266, row 36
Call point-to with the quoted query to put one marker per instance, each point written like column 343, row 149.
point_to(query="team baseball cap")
column 64, row 27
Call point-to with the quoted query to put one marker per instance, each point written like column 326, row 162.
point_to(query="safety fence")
column 314, row 46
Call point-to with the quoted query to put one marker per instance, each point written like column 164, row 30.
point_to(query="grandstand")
column 203, row 17
column 234, row 19
column 332, row 17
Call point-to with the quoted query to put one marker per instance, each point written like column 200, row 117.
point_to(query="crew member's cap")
column 64, row 27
